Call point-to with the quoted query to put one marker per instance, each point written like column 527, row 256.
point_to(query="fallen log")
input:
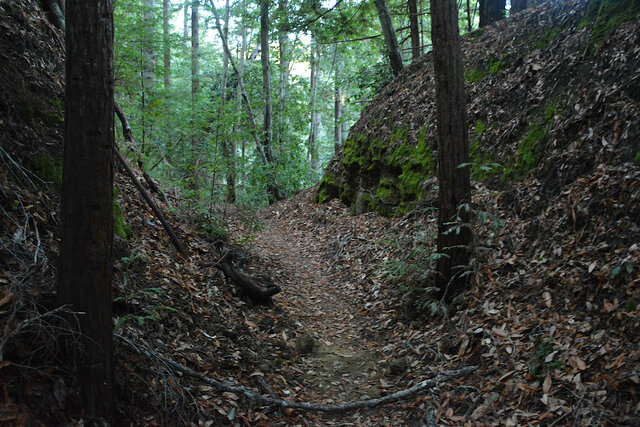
column 156, row 210
column 259, row 291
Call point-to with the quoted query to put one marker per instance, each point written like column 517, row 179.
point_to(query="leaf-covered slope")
column 552, row 94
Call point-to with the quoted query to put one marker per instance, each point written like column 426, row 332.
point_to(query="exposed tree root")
column 307, row 406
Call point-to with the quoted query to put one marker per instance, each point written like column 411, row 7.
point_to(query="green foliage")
column 474, row 76
column 636, row 160
column 128, row 261
column 328, row 189
column 416, row 164
column 604, row 17
column 483, row 165
column 544, row 359
column 533, row 144
column 48, row 169
column 120, row 227
column 495, row 65
column 214, row 228
column 414, row 271
column 529, row 152
column 149, row 313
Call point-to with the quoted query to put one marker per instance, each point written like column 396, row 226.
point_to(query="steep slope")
column 553, row 94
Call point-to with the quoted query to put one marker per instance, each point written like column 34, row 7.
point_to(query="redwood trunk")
column 86, row 229
column 315, row 120
column 166, row 51
column 416, row 49
column 454, row 234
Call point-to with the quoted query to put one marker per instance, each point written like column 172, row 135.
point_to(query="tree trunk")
column 313, row 131
column 337, row 110
column 274, row 191
column 518, row 5
column 86, row 228
column 238, row 115
column 253, row 127
column 454, row 234
column 267, row 136
column 148, row 77
column 166, row 46
column 283, row 42
column 185, row 17
column 491, row 11
column 148, row 50
column 416, row 48
column 227, row 153
column 469, row 18
column 393, row 48
column 195, row 87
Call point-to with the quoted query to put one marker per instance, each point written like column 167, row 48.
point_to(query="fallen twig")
column 308, row 406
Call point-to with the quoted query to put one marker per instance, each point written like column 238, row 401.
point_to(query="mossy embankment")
column 540, row 88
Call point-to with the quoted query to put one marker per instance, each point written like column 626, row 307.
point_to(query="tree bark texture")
column 315, row 120
column 491, row 11
column 253, row 127
column 228, row 148
column 518, row 5
column 454, row 234
column 337, row 109
column 238, row 114
column 391, row 41
column 283, row 42
column 195, row 87
column 86, row 229
column 267, row 133
column 166, row 46
column 416, row 48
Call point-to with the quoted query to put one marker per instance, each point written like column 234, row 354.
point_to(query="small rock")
column 305, row 344
column 398, row 366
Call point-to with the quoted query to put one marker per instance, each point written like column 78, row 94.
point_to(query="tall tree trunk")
column 337, row 110
column 195, row 88
column 185, row 17
column 454, row 233
column 518, row 5
column 469, row 18
column 283, row 43
column 253, row 127
column 166, row 46
column 86, row 228
column 267, row 135
column 393, row 48
column 416, row 48
column 313, row 131
column 148, row 50
column 238, row 115
column 148, row 76
column 491, row 11
column 226, row 145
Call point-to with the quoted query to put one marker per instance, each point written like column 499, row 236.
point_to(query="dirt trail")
column 343, row 364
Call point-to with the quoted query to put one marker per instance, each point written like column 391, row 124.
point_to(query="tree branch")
column 307, row 406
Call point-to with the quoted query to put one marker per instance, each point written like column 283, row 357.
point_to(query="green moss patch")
column 120, row 227
column 483, row 163
column 548, row 35
column 48, row 169
column 604, row 17
column 529, row 152
column 474, row 76
column 329, row 188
